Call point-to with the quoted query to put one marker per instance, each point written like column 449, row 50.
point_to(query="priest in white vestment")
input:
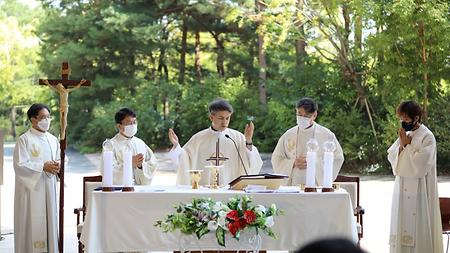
column 415, row 218
column 289, row 156
column 243, row 156
column 36, row 165
column 144, row 160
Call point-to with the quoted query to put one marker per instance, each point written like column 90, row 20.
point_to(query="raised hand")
column 173, row 137
column 248, row 132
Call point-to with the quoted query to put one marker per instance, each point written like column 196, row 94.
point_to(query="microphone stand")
column 239, row 154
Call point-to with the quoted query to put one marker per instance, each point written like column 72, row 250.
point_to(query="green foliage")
column 133, row 53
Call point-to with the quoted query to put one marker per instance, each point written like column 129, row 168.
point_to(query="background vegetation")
column 167, row 59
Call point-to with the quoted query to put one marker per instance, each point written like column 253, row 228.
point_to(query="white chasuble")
column 36, row 196
column 202, row 146
column 292, row 144
column 142, row 176
column 415, row 218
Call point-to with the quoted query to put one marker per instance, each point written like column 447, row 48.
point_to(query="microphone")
column 239, row 154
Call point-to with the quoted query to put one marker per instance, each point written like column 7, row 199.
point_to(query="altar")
column 124, row 221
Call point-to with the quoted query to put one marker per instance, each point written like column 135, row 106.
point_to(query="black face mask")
column 408, row 126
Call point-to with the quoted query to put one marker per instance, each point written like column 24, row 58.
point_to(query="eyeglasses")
column 44, row 117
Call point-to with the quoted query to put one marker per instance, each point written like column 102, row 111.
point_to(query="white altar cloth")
column 124, row 221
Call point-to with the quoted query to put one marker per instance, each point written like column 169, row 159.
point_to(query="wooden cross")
column 63, row 86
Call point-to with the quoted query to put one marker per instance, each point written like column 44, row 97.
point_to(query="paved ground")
column 375, row 198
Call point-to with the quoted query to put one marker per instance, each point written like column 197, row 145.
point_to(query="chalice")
column 196, row 175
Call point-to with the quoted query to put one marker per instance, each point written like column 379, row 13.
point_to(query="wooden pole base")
column 310, row 189
column 128, row 189
column 327, row 190
column 108, row 189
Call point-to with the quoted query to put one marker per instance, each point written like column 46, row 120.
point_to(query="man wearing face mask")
column 144, row 161
column 36, row 166
column 289, row 156
column 415, row 215
column 201, row 146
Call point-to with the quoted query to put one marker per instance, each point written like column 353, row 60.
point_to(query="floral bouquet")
column 204, row 215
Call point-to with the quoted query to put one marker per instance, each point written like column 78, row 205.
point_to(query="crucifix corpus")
column 63, row 86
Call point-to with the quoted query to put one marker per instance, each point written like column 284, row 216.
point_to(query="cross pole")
column 64, row 92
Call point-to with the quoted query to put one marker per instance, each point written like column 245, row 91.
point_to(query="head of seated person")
column 332, row 245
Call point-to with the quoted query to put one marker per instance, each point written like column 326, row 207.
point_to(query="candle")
column 107, row 168
column 312, row 146
column 328, row 157
column 127, row 169
column 328, row 169
column 311, row 169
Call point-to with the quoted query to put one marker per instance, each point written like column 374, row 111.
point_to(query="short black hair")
column 410, row 108
column 219, row 105
column 335, row 245
column 308, row 104
column 34, row 110
column 123, row 113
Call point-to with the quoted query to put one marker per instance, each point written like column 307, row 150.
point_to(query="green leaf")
column 220, row 235
column 201, row 232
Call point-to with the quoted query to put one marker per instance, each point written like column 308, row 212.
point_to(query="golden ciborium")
column 196, row 175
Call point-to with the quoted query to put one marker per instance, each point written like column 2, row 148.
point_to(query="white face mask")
column 303, row 122
column 44, row 124
column 130, row 130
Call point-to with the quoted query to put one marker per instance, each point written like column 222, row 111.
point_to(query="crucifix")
column 217, row 159
column 63, row 86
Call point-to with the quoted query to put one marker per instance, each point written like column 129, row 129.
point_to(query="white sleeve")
column 281, row 163
column 27, row 171
column 254, row 159
column 393, row 156
column 174, row 154
column 418, row 161
column 148, row 166
column 338, row 158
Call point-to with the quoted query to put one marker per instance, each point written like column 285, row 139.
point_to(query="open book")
column 271, row 181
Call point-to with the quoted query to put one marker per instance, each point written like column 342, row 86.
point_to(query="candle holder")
column 310, row 189
column 327, row 190
column 107, row 189
column 128, row 189
column 196, row 175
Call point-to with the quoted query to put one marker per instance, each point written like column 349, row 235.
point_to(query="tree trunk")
column 347, row 31
column 182, row 67
column 424, row 59
column 300, row 44
column 262, row 60
column 162, row 66
column 220, row 55
column 358, row 30
column 198, row 67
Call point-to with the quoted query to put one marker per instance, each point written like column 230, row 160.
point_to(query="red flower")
column 233, row 228
column 249, row 216
column 242, row 223
column 233, row 215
